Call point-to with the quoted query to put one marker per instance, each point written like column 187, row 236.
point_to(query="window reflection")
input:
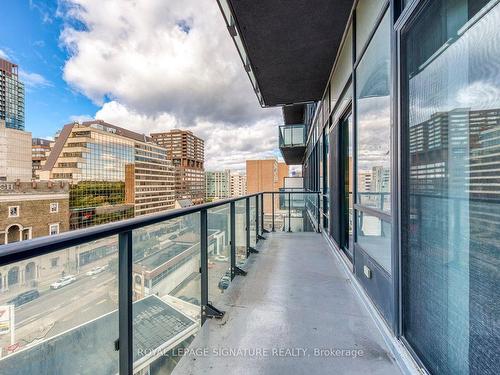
column 374, row 122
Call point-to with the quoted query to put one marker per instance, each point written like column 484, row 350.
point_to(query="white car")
column 63, row 281
column 96, row 270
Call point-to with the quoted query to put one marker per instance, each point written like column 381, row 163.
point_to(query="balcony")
column 292, row 143
column 166, row 292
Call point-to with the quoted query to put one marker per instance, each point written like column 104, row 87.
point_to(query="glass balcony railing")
column 126, row 297
column 292, row 135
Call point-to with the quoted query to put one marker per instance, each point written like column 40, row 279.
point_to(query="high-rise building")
column 218, row 184
column 40, row 149
column 116, row 173
column 186, row 151
column 265, row 175
column 15, row 154
column 11, row 96
column 238, row 184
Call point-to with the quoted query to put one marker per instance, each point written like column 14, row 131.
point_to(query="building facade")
column 15, row 154
column 187, row 153
column 266, row 175
column 11, row 96
column 40, row 149
column 402, row 120
column 238, row 184
column 218, row 185
column 33, row 209
column 115, row 173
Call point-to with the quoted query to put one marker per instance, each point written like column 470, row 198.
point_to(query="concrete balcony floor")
column 295, row 299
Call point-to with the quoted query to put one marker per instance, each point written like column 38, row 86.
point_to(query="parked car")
column 63, row 281
column 25, row 297
column 224, row 282
column 96, row 270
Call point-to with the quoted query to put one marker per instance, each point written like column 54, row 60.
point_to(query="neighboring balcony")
column 292, row 143
column 240, row 275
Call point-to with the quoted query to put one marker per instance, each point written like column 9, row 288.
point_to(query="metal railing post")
column 204, row 264
column 257, row 218
column 232, row 209
column 272, row 210
column 262, row 214
column 247, row 224
column 124, row 344
column 289, row 212
column 318, row 212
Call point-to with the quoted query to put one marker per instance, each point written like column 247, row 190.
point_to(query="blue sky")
column 145, row 65
column 30, row 37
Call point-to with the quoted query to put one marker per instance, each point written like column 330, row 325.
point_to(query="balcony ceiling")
column 291, row 44
column 293, row 114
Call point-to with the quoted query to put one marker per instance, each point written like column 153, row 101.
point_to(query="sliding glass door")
column 451, row 201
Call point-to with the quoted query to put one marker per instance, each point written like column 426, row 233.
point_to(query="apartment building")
column 218, row 185
column 266, row 175
column 238, row 184
column 40, row 150
column 115, row 173
column 187, row 153
column 11, row 96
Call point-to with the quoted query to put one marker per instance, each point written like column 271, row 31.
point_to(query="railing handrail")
column 22, row 250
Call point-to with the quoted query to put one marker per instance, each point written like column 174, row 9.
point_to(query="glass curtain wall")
column 451, row 246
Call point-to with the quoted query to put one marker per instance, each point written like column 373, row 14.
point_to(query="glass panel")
column 241, row 233
column 451, row 253
column 253, row 222
column 166, row 291
column 348, row 177
column 281, row 212
column 326, row 181
column 59, row 312
column 219, row 252
column 268, row 211
column 367, row 12
column 374, row 121
column 342, row 71
column 374, row 236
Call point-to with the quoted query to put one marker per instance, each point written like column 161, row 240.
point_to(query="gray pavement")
column 294, row 313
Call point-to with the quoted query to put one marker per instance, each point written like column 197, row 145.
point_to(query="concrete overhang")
column 287, row 46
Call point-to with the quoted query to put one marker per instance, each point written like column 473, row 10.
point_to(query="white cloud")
column 33, row 79
column 3, row 55
column 157, row 64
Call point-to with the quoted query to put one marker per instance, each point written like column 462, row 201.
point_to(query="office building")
column 187, row 153
column 11, row 96
column 238, row 184
column 15, row 154
column 115, row 173
column 218, row 185
column 40, row 150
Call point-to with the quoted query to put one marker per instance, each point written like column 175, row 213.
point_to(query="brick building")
column 33, row 209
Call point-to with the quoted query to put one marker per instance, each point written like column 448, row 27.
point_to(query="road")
column 57, row 311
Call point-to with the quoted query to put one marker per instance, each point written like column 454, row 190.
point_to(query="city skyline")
column 55, row 57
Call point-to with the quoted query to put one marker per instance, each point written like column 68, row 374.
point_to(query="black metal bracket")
column 251, row 250
column 239, row 271
column 265, row 230
column 261, row 237
column 213, row 312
